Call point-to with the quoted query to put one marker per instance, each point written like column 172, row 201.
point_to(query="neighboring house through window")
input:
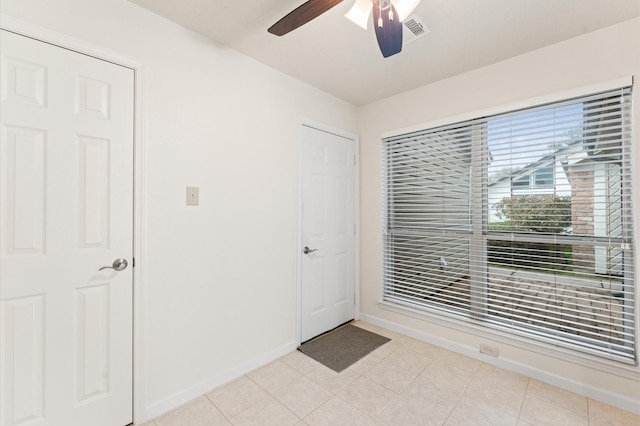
column 539, row 178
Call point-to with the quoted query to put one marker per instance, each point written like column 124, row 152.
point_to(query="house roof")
column 573, row 153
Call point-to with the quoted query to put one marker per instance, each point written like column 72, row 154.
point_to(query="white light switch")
column 193, row 195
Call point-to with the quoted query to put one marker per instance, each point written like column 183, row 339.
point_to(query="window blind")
column 520, row 222
column 428, row 214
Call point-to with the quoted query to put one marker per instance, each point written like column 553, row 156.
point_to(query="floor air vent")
column 413, row 28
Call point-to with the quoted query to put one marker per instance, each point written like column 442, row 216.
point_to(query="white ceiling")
column 335, row 55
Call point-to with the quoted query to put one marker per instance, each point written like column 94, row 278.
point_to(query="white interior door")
column 66, row 187
column 328, row 231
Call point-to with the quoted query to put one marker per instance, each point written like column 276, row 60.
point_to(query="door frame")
column 305, row 122
column 46, row 35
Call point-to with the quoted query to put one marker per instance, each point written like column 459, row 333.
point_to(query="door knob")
column 118, row 265
column 307, row 250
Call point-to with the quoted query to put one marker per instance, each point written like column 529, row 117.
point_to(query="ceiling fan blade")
column 301, row 15
column 390, row 34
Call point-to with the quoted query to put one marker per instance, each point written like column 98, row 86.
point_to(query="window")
column 519, row 222
column 541, row 178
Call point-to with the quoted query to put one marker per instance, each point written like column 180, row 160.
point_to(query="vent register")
column 413, row 29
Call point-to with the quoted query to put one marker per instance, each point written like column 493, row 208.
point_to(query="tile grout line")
column 475, row 373
column 217, row 408
column 333, row 394
column 524, row 399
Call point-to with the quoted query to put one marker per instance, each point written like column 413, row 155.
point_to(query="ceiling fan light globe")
column 404, row 7
column 359, row 13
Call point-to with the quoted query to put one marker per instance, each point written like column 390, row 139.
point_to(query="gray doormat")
column 342, row 347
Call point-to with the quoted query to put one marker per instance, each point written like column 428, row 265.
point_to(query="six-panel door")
column 328, row 220
column 66, row 181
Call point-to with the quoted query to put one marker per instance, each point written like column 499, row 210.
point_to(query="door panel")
column 66, row 189
column 328, row 218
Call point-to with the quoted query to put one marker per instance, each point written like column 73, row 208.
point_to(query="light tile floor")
column 404, row 382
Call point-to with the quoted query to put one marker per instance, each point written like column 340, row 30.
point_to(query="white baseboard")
column 179, row 398
column 588, row 391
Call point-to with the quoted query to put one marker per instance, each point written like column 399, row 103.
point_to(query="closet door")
column 66, row 212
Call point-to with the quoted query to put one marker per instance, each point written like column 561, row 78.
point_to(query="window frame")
column 478, row 262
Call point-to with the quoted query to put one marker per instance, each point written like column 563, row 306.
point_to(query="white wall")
column 221, row 277
column 607, row 54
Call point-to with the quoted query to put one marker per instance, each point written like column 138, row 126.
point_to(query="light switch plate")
column 193, row 196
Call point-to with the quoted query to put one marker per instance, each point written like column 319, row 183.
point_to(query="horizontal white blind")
column 520, row 221
column 428, row 215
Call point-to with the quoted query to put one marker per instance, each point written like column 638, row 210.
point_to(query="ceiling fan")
column 387, row 19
